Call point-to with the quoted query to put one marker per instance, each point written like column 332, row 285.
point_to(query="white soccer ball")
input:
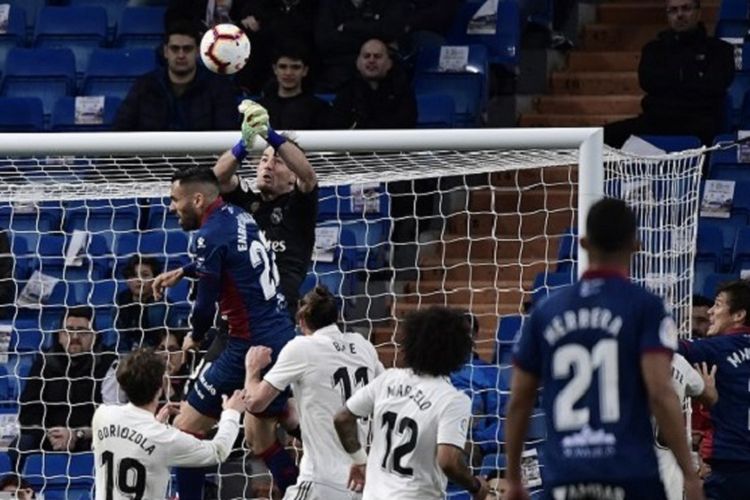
column 225, row 49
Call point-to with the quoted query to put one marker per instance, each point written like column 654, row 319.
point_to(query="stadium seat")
column 31, row 7
column 435, row 111
column 26, row 336
column 567, row 251
column 709, row 248
column 140, row 27
column 15, row 33
column 21, row 114
column 731, row 28
column 80, row 29
column 736, row 93
column 102, row 217
column 111, row 72
column 51, row 469
column 741, row 255
column 19, row 366
column 168, row 247
column 725, row 164
column 29, row 220
column 24, row 258
column 713, row 281
column 468, row 87
column 64, row 116
column 504, row 46
column 547, row 283
column 114, row 9
column 159, row 216
column 337, row 203
column 492, row 464
column 5, row 465
column 673, row 143
column 734, row 10
column 45, row 73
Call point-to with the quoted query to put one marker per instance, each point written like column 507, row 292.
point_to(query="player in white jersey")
column 419, row 420
column 134, row 449
column 687, row 382
column 323, row 367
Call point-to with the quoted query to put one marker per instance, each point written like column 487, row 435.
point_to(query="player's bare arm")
column 709, row 396
column 345, row 423
column 665, row 405
column 523, row 392
column 452, row 461
column 258, row 392
column 226, row 169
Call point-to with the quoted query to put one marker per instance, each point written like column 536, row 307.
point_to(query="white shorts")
column 310, row 490
column 671, row 475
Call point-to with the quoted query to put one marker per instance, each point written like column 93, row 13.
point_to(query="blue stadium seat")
column 169, row 247
column 19, row 366
column 21, row 114
column 435, row 111
column 141, row 27
column 31, row 7
column 111, row 72
column 64, row 115
column 114, row 9
column 734, row 10
column 504, row 47
column 673, row 143
column 507, row 329
column 27, row 336
column 728, row 228
column 547, row 283
column 492, row 463
column 103, row 217
column 337, row 203
column 44, row 73
column 468, row 87
column 731, row 28
column 159, row 216
column 24, row 258
column 741, row 255
column 712, row 282
column 736, row 93
column 29, row 221
column 15, row 33
column 567, row 251
column 52, row 469
column 724, row 163
column 80, row 29
column 5, row 465
column 709, row 256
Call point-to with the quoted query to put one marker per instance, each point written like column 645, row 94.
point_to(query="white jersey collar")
column 329, row 331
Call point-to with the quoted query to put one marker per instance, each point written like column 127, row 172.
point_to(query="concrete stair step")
column 636, row 12
column 612, row 37
column 603, row 61
column 434, row 268
column 512, row 201
column 564, row 174
column 589, row 105
column 567, row 120
column 595, row 82
column 511, row 247
column 504, row 225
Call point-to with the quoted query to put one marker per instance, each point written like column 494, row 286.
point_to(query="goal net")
column 484, row 221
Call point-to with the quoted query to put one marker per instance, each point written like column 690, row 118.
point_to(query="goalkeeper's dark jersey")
column 289, row 224
column 585, row 344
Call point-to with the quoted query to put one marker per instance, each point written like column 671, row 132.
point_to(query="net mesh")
column 490, row 232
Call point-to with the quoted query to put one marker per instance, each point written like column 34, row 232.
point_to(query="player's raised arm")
column 656, row 370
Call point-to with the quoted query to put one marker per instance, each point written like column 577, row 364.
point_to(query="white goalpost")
column 482, row 220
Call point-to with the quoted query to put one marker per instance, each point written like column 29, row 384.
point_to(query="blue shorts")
column 728, row 481
column 645, row 489
column 226, row 374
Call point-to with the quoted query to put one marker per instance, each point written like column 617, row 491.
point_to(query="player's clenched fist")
column 166, row 280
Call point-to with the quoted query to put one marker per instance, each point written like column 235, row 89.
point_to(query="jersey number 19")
column 130, row 479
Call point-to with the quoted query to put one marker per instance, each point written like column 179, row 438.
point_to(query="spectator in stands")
column 140, row 316
column 290, row 104
column 182, row 96
column 199, row 13
column 699, row 316
column 178, row 369
column 685, row 74
column 7, row 286
column 13, row 483
column 270, row 24
column 62, row 390
column 341, row 29
column 478, row 379
column 379, row 97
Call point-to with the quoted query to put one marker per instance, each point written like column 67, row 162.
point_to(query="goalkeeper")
column 285, row 203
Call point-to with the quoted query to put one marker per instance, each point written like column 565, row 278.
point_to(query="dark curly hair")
column 437, row 341
column 318, row 308
column 140, row 376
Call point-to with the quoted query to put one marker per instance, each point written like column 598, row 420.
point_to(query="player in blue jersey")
column 235, row 267
column 728, row 348
column 601, row 349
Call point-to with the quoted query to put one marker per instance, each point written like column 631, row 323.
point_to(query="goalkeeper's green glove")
column 256, row 122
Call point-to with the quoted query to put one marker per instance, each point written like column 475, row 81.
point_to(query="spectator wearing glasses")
column 182, row 95
column 685, row 74
column 63, row 390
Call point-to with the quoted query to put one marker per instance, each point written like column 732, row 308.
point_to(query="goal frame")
column 588, row 140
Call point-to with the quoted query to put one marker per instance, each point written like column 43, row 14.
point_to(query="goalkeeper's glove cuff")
column 239, row 151
column 274, row 139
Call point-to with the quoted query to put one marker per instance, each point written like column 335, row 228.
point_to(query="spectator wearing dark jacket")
column 343, row 26
column 290, row 104
column 685, row 74
column 379, row 97
column 180, row 96
column 7, row 285
column 63, row 389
